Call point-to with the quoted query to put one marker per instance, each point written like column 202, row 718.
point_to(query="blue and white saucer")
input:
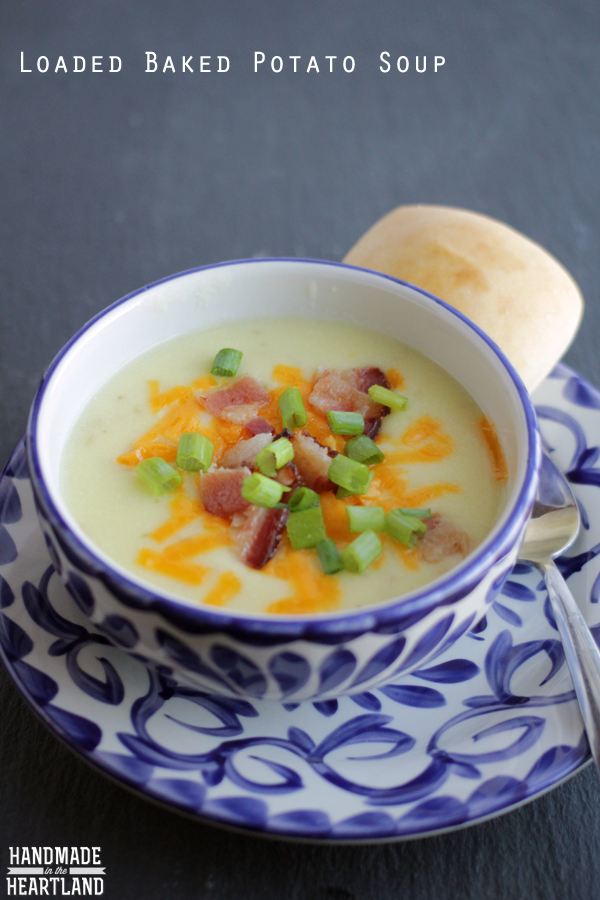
column 491, row 724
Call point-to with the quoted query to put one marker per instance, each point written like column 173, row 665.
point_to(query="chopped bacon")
column 238, row 402
column 238, row 519
column 367, row 377
column 221, row 491
column 312, row 460
column 258, row 426
column 372, row 427
column 290, row 476
column 348, row 391
column 260, row 536
column 244, row 452
column 442, row 538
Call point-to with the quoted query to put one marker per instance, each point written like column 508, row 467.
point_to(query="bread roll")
column 512, row 288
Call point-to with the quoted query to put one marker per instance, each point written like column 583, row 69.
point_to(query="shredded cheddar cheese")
column 189, row 573
column 182, row 410
column 227, row 587
column 490, row 436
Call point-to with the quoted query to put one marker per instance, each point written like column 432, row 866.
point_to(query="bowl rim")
column 447, row 589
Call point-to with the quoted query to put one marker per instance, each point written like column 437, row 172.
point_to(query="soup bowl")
column 286, row 658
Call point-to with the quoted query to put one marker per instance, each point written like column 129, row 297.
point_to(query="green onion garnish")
column 158, row 475
column 404, row 528
column 262, row 491
column 329, row 557
column 364, row 450
column 365, row 518
column 306, row 528
column 303, row 498
column 194, row 452
column 345, row 422
column 361, row 552
column 274, row 456
column 342, row 493
column 348, row 474
column 419, row 513
column 292, row 409
column 227, row 362
column 386, row 397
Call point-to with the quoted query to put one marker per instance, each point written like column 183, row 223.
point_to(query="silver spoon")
column 553, row 527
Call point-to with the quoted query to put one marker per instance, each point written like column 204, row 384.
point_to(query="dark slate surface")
column 109, row 182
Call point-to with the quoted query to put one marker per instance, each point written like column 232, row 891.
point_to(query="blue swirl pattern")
column 490, row 723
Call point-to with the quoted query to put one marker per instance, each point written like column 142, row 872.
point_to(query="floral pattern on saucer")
column 492, row 723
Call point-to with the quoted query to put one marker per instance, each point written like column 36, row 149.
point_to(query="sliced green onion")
column 292, row 409
column 227, row 362
column 158, row 475
column 361, row 552
column 404, row 528
column 345, row 422
column 348, row 474
column 364, row 450
column 329, row 557
column 342, row 493
column 274, row 456
column 306, row 528
column 303, row 498
column 386, row 397
column 419, row 513
column 262, row 491
column 365, row 518
column 194, row 452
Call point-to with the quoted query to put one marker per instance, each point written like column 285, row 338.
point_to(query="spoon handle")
column 583, row 657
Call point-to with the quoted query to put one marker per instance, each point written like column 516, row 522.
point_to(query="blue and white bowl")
column 262, row 656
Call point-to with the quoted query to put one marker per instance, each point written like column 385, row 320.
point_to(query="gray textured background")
column 112, row 181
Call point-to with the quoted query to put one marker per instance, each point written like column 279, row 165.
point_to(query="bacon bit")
column 312, row 460
column 490, row 435
column 238, row 402
column 442, row 538
column 193, row 546
column 342, row 391
column 244, row 453
column 260, row 536
column 290, row 476
column 183, row 511
column 313, row 592
column 367, row 377
column 372, row 427
column 348, row 391
column 190, row 573
column 239, row 519
column 395, row 379
column 258, row 426
column 221, row 491
column 227, row 586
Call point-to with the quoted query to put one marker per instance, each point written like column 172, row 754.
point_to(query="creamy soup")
column 440, row 453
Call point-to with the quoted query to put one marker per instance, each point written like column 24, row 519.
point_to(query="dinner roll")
column 508, row 285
